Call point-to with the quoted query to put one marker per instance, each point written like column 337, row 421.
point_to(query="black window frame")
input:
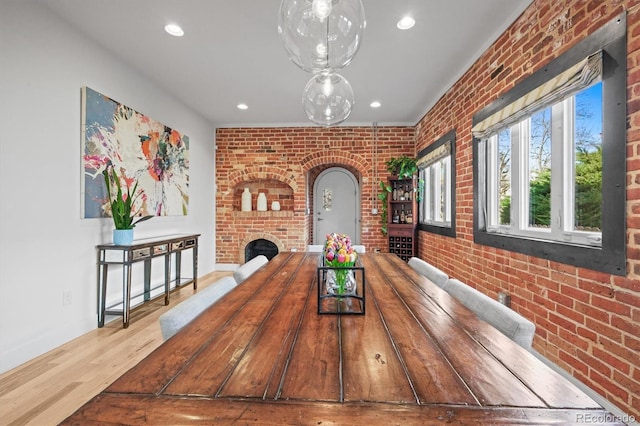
column 611, row 256
column 448, row 231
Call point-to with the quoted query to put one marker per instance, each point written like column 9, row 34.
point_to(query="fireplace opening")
column 258, row 247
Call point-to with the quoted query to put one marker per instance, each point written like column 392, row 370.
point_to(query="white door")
column 336, row 205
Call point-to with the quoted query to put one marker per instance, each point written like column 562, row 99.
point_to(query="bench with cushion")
column 428, row 270
column 180, row 315
column 507, row 321
column 246, row 270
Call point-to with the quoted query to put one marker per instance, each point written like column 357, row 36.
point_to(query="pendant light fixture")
column 321, row 34
column 321, row 37
column 327, row 98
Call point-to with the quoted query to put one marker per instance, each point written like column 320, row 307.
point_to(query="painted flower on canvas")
column 147, row 151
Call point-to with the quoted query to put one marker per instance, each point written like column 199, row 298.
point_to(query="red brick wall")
column 258, row 157
column 587, row 322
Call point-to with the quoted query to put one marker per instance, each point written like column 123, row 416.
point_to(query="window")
column 436, row 167
column 550, row 158
column 555, row 190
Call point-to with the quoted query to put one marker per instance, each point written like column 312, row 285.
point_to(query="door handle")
column 319, row 219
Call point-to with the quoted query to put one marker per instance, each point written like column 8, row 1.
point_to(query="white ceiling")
column 231, row 53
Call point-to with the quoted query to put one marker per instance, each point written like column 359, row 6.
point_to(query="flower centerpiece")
column 340, row 255
column 122, row 206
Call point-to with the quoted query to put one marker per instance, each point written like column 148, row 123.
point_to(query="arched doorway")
column 336, row 205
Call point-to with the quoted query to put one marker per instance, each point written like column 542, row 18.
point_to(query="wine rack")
column 402, row 216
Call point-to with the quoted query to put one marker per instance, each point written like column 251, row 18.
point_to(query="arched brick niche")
column 275, row 190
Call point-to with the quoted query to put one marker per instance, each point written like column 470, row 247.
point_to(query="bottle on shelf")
column 396, row 217
column 403, row 218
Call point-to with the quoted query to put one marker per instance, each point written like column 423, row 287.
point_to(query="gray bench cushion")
column 246, row 270
column 507, row 321
column 428, row 270
column 180, row 315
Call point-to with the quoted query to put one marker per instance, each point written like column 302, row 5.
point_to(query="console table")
column 143, row 250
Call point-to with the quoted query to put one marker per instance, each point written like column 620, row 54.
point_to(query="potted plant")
column 122, row 207
column 403, row 167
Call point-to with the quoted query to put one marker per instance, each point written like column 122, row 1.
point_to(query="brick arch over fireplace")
column 256, row 236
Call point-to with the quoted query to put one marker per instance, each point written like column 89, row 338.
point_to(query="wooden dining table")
column 263, row 355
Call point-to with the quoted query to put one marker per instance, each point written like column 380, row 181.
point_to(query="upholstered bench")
column 507, row 321
column 426, row 269
column 246, row 270
column 180, row 315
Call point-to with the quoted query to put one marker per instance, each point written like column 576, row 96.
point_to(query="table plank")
column 553, row 389
column 209, row 368
column 313, row 371
column 259, row 371
column 149, row 410
column 433, row 377
column 487, row 378
column 372, row 370
column 550, row 386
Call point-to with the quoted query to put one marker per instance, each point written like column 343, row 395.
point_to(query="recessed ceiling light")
column 174, row 30
column 375, row 104
column 243, row 106
column 406, row 23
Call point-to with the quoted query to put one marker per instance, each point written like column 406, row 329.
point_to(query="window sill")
column 591, row 257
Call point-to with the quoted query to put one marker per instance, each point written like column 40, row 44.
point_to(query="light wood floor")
column 46, row 390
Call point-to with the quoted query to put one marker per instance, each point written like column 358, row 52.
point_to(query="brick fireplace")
column 259, row 243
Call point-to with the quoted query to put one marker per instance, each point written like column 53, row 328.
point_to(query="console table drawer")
column 141, row 253
column 160, row 249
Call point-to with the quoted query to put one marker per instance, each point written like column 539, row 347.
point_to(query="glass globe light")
column 327, row 99
column 321, row 34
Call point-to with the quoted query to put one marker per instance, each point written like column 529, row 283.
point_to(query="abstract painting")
column 140, row 149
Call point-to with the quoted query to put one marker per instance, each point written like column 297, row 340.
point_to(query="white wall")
column 46, row 248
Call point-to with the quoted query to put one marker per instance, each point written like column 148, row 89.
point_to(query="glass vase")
column 340, row 281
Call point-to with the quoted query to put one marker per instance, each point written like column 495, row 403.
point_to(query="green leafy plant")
column 122, row 203
column 404, row 167
column 383, row 196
